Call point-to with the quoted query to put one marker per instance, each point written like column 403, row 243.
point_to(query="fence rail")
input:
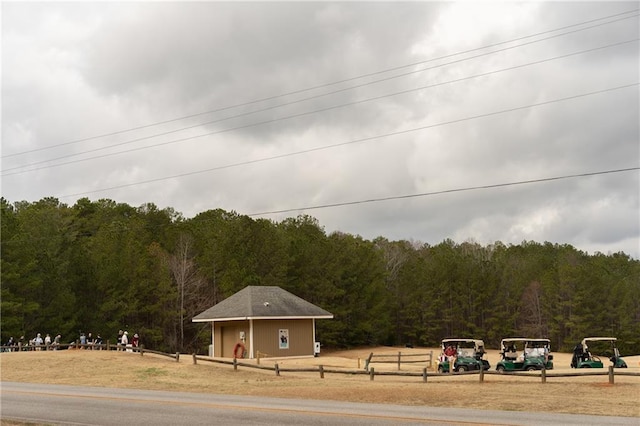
column 87, row 346
column 398, row 359
column 321, row 370
column 370, row 371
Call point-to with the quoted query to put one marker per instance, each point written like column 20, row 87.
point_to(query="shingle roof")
column 262, row 302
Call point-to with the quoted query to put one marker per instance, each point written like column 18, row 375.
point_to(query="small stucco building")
column 265, row 319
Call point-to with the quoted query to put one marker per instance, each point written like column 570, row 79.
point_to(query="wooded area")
column 104, row 266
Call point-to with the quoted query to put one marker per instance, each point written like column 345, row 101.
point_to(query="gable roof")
column 262, row 302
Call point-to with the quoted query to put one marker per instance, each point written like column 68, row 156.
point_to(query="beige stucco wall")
column 266, row 337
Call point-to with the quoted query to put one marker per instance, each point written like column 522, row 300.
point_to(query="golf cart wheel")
column 461, row 368
column 500, row 369
column 440, row 369
column 531, row 368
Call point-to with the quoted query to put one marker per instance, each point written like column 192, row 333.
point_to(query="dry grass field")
column 588, row 395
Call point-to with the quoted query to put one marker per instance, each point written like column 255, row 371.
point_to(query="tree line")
column 102, row 266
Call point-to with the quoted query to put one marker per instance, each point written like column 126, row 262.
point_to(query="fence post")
column 235, row 364
column 258, row 358
column 611, row 380
column 366, row 364
column 195, row 361
column 543, row 374
column 321, row 371
column 277, row 369
column 371, row 373
column 481, row 373
column 424, row 374
column 141, row 350
column 177, row 356
column 430, row 359
column 399, row 355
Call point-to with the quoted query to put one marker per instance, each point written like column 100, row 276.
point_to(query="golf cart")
column 468, row 355
column 603, row 347
column 523, row 354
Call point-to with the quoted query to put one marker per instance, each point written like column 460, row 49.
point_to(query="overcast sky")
column 264, row 107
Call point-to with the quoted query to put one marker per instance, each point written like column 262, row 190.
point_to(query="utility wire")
column 391, row 198
column 446, row 191
column 356, row 140
column 15, row 170
column 339, row 82
column 292, row 102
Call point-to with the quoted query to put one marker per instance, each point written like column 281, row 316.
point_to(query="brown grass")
column 585, row 395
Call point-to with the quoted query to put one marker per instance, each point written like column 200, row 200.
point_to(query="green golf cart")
column 524, row 354
column 588, row 353
column 468, row 355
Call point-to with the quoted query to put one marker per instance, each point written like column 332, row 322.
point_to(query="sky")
column 422, row 121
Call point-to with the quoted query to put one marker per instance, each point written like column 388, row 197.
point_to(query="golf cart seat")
column 510, row 352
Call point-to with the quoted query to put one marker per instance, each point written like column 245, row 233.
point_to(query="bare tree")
column 193, row 293
column 394, row 257
column 532, row 310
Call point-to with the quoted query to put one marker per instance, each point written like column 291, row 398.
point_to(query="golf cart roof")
column 476, row 341
column 600, row 339
column 523, row 339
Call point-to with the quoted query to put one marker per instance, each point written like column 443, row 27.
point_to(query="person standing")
column 125, row 339
column 47, row 341
column 38, row 341
column 98, row 342
column 135, row 340
column 120, row 334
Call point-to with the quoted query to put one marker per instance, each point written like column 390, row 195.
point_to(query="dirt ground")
column 588, row 395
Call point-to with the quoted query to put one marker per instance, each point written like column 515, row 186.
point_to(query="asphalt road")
column 78, row 405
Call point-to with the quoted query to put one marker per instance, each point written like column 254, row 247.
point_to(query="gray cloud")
column 77, row 70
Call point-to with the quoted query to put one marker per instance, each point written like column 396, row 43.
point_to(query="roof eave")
column 263, row 318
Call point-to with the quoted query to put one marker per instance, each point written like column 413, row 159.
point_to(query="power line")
column 336, row 83
column 424, row 194
column 446, row 191
column 14, row 172
column 293, row 102
column 357, row 140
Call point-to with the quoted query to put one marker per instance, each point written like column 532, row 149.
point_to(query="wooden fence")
column 88, row 346
column 543, row 375
column 399, row 359
column 321, row 370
